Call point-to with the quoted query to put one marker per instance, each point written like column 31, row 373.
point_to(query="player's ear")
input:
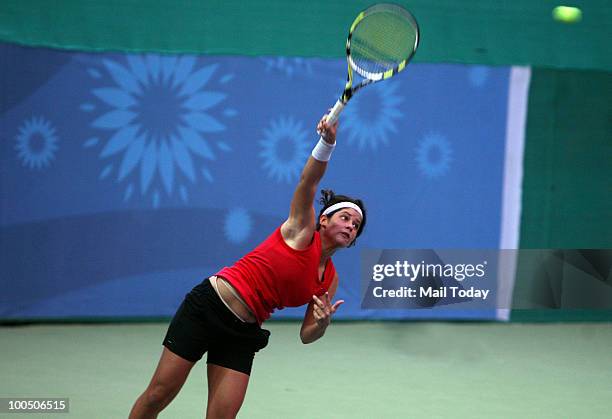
column 323, row 220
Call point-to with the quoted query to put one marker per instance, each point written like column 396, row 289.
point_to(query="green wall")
column 567, row 188
column 496, row 32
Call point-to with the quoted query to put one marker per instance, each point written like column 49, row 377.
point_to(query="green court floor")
column 358, row 370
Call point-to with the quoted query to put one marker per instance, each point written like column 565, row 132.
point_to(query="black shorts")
column 204, row 324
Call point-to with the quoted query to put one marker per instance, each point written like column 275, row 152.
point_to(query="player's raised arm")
column 300, row 224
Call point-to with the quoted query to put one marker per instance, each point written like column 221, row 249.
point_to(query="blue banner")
column 127, row 179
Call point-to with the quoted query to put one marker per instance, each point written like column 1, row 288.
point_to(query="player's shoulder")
column 296, row 235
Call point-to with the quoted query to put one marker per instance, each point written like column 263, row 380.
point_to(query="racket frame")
column 368, row 77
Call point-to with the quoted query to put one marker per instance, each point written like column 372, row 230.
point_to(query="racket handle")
column 335, row 112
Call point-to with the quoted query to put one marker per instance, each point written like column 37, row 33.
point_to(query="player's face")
column 342, row 227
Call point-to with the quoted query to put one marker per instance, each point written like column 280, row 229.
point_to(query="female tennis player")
column 223, row 314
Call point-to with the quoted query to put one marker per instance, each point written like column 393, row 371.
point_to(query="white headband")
column 344, row 204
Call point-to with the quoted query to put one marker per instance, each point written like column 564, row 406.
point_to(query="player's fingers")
column 318, row 302
column 336, row 305
column 323, row 128
column 328, row 305
column 322, row 121
column 322, row 309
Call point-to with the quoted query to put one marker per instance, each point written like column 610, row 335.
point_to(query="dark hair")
column 329, row 198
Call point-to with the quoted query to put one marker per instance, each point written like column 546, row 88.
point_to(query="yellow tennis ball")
column 567, row 14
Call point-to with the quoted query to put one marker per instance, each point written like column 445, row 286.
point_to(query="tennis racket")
column 381, row 41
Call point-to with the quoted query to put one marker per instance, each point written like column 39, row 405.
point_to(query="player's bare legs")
column 226, row 390
column 169, row 377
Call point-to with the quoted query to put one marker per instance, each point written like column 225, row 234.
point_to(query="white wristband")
column 323, row 150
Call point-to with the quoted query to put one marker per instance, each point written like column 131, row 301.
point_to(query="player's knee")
column 223, row 409
column 158, row 396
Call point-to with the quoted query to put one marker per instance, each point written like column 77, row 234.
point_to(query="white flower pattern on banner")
column 478, row 75
column 238, row 225
column 284, row 149
column 36, row 143
column 289, row 66
column 160, row 120
column 372, row 116
column 434, row 155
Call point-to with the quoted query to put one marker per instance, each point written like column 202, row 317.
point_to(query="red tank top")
column 274, row 275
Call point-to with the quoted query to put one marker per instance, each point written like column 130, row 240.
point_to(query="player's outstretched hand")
column 323, row 309
column 327, row 131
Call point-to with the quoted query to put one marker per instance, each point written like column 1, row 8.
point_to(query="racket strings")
column 382, row 41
